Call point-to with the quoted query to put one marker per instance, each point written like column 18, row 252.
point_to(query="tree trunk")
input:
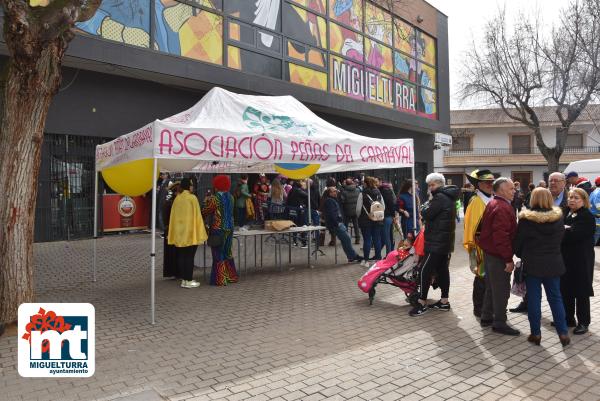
column 553, row 159
column 27, row 92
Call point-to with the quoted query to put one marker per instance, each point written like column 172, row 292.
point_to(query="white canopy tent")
column 227, row 132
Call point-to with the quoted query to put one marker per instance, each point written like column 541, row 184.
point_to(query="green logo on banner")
column 256, row 119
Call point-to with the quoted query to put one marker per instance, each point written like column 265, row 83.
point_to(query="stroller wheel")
column 371, row 295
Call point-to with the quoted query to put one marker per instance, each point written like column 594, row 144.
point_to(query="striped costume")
column 219, row 208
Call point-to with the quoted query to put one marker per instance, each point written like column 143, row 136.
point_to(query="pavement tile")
column 301, row 334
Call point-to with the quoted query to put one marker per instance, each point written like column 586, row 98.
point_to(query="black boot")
column 580, row 329
column 521, row 308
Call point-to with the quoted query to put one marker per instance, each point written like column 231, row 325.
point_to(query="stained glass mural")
column 426, row 76
column 348, row 12
column 345, row 42
column 404, row 37
column 378, row 24
column 405, row 66
column 378, row 55
column 426, row 48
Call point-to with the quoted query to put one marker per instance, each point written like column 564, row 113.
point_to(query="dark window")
column 574, row 141
column 521, row 144
column 461, row 143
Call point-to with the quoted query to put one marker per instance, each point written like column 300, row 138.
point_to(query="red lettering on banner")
column 210, row 146
column 294, row 149
column 324, row 152
column 249, row 155
column 278, row 150
column 165, row 144
column 348, row 152
column 405, row 154
column 181, row 144
column 339, row 152
column 255, row 145
column 231, row 147
column 187, row 148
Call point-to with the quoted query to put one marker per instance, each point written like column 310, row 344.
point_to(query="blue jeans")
column 372, row 235
column 386, row 234
column 342, row 233
column 534, row 303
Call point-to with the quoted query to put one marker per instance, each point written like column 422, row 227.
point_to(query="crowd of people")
column 362, row 207
column 552, row 232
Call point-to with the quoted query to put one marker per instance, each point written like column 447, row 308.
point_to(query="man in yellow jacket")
column 186, row 232
column 482, row 180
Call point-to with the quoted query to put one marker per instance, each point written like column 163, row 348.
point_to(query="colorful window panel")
column 297, row 50
column 241, row 33
column 306, row 54
column 426, row 48
column 426, row 76
column 304, row 26
column 378, row 55
column 380, row 88
column 346, row 42
column 214, row 4
column 378, row 24
column 427, row 103
column 307, row 76
column 315, row 5
column 317, row 57
column 405, row 67
column 346, row 78
column 404, row 37
column 125, row 22
column 254, row 63
column 347, row 12
column 405, row 95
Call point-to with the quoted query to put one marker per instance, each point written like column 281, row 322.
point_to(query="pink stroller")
column 400, row 268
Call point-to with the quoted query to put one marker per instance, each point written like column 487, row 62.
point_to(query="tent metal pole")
column 153, row 251
column 414, row 196
column 309, row 212
column 95, row 222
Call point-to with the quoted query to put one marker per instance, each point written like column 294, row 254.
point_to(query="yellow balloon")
column 131, row 178
column 297, row 171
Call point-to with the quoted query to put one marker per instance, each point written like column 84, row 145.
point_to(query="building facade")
column 373, row 70
column 487, row 138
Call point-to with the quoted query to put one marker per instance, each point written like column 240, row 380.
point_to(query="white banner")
column 227, row 132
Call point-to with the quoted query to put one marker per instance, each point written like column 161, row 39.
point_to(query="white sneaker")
column 365, row 263
column 189, row 284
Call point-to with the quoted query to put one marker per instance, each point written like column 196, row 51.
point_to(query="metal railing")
column 517, row 151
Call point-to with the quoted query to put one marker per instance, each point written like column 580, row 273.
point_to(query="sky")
column 466, row 19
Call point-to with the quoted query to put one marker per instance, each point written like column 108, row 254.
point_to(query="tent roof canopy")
column 226, row 132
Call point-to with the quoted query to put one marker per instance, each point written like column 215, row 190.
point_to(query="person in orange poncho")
column 186, row 232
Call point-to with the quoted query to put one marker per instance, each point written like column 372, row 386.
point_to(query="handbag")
column 518, row 286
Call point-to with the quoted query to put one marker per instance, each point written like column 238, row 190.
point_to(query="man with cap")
column 595, row 208
column 482, row 180
column 572, row 178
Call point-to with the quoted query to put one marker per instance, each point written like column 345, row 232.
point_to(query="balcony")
column 514, row 156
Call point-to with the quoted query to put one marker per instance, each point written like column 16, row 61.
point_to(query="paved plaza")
column 302, row 334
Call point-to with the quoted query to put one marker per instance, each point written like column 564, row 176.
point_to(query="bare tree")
column 517, row 68
column 37, row 38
